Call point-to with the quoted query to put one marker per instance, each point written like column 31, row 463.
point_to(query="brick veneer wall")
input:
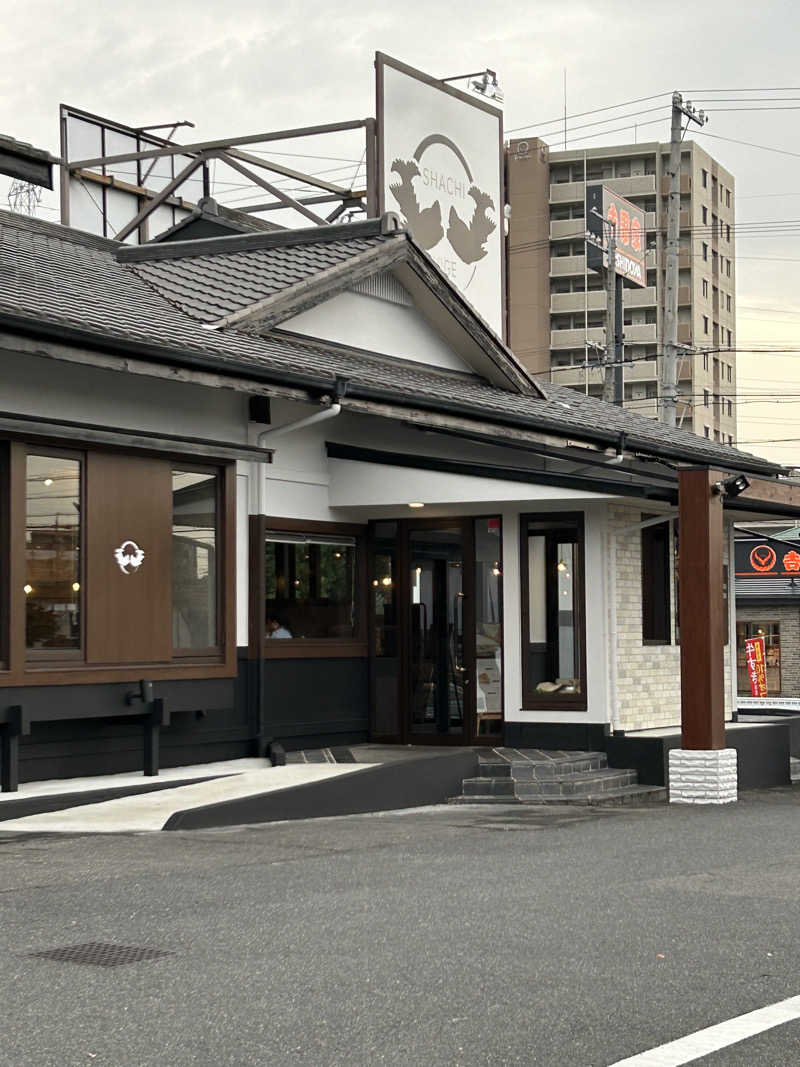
column 788, row 617
column 648, row 676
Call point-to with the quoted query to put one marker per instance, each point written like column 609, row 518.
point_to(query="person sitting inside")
column 276, row 628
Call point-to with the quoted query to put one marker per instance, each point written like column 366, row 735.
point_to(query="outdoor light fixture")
column 386, row 581
column 28, row 589
column 561, row 566
column 375, row 581
column 416, row 504
column 733, row 486
column 76, row 587
column 485, row 83
column 48, row 481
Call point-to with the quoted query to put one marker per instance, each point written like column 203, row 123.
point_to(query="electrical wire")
column 582, row 114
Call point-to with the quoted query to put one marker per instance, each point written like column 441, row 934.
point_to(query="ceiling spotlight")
column 416, row 504
column 48, row 481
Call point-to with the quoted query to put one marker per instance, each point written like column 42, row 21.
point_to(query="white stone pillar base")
column 702, row 776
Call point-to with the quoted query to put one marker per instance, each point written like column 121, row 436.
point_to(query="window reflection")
column 310, row 586
column 194, row 560
column 555, row 622
column 488, row 625
column 52, row 553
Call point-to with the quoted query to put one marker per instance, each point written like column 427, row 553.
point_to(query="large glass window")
column 488, row 626
column 52, row 553
column 311, row 586
column 656, row 622
column 194, row 560
column 771, row 634
column 553, row 622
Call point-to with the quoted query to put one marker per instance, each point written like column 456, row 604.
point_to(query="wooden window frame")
column 53, row 657
column 304, row 647
column 214, row 653
column 17, row 668
column 532, row 701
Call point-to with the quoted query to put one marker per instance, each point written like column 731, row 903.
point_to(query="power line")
column 583, row 114
column 749, row 144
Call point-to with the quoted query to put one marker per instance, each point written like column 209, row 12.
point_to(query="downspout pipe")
column 331, row 409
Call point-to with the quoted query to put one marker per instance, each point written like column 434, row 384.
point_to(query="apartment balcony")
column 686, row 185
column 575, row 303
column 642, row 334
column 577, row 338
column 567, row 229
column 639, row 185
column 564, row 266
column 684, row 296
column 645, row 370
column 684, row 258
column 567, row 192
column 577, row 376
column 640, row 298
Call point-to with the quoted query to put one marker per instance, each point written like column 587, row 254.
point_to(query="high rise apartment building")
column 557, row 308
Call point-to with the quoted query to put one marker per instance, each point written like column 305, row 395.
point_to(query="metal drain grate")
column 99, row 954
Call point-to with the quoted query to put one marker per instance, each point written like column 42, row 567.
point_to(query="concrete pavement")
column 452, row 936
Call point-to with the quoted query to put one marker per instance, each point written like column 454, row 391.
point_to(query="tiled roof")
column 208, row 287
column 51, row 276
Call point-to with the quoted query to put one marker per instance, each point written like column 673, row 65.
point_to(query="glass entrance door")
column 439, row 660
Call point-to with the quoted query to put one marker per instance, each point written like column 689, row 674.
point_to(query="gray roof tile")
column 59, row 277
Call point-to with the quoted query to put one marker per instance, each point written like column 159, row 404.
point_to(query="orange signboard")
column 756, row 665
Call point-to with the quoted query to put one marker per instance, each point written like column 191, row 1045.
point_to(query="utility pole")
column 611, row 315
column 669, row 363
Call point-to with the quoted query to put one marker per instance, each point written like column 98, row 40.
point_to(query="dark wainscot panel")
column 208, row 723
column 310, row 703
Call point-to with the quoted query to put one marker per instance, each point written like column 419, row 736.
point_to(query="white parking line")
column 713, row 1038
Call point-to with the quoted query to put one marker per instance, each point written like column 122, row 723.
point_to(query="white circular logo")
column 129, row 557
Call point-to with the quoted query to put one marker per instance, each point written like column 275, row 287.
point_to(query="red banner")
column 756, row 665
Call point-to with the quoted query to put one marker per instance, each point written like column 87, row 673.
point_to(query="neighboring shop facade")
column 768, row 607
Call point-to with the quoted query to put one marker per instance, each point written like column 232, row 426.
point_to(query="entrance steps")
column 536, row 776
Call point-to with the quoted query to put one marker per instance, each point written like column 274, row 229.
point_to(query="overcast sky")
column 243, row 66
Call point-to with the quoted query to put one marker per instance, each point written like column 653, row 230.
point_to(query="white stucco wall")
column 378, row 326
column 44, row 387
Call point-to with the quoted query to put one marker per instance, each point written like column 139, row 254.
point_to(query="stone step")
column 630, row 794
column 517, row 764
column 484, row 800
column 558, row 768
column 586, row 784
column 490, row 787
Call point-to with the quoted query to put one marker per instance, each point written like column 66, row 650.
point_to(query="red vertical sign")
column 756, row 665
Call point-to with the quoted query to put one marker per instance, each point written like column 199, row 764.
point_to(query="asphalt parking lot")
column 452, row 936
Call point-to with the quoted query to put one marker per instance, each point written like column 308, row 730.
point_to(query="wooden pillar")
column 702, row 614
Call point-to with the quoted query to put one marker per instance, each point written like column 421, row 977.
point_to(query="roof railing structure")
column 232, row 152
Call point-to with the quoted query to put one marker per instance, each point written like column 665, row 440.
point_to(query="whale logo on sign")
column 129, row 557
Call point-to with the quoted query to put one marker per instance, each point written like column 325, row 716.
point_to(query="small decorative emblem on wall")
column 129, row 557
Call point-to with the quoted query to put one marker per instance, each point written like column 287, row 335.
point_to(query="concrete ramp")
column 412, row 781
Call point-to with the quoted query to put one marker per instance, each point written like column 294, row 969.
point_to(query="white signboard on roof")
column 440, row 168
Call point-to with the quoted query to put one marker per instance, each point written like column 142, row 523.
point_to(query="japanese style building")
column 288, row 486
